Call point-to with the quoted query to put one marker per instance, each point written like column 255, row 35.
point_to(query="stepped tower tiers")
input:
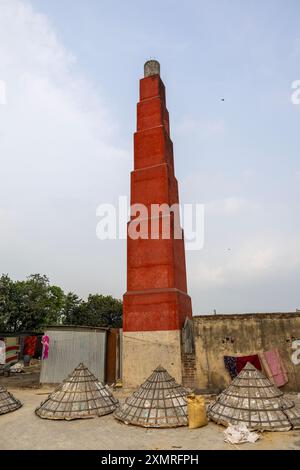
column 156, row 303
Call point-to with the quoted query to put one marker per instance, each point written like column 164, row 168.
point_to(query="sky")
column 71, row 70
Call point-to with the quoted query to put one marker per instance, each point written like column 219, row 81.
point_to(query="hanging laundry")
column 274, row 367
column 242, row 361
column 231, row 365
column 45, row 343
column 2, row 352
column 12, row 348
column 29, row 346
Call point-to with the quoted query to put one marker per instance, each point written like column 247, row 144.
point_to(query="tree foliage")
column 34, row 303
column 98, row 310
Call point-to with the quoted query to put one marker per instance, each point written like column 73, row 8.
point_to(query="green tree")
column 34, row 303
column 7, row 302
column 56, row 302
column 29, row 304
column 71, row 309
column 98, row 310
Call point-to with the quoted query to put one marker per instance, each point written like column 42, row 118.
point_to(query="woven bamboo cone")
column 80, row 395
column 252, row 399
column 8, row 402
column 158, row 403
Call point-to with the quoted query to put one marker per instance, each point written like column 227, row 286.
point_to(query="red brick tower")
column 156, row 302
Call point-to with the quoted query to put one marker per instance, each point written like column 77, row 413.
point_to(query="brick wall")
column 189, row 376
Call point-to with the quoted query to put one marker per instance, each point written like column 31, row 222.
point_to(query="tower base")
column 143, row 351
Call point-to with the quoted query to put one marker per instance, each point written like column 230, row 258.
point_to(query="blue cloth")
column 231, row 365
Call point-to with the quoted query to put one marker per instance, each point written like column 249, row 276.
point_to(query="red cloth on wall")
column 242, row 361
column 274, row 367
column 30, row 345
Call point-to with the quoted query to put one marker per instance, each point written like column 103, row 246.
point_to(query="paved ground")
column 22, row 429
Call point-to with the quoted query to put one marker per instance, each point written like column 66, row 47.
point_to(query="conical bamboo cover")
column 8, row 402
column 158, row 403
column 252, row 399
column 80, row 395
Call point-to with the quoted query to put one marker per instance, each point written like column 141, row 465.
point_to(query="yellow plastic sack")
column 196, row 411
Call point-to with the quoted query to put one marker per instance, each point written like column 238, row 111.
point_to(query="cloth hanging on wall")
column 242, row 361
column 12, row 348
column 234, row 365
column 2, row 352
column 30, row 345
column 45, row 343
column 274, row 367
column 231, row 365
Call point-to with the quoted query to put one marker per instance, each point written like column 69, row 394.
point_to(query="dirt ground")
column 22, row 429
column 30, row 378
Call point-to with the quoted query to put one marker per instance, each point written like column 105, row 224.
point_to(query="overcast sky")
column 71, row 69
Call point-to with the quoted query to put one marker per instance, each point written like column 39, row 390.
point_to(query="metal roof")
column 76, row 327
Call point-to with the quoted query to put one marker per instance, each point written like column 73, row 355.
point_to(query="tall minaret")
column 156, row 302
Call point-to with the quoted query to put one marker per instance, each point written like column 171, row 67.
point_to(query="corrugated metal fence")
column 68, row 347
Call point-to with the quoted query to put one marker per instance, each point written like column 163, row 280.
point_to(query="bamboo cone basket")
column 80, row 395
column 252, row 399
column 158, row 403
column 8, row 402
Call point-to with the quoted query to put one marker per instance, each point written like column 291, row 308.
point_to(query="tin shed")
column 70, row 345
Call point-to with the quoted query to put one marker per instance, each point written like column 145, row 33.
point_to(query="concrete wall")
column 238, row 335
column 143, row 351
